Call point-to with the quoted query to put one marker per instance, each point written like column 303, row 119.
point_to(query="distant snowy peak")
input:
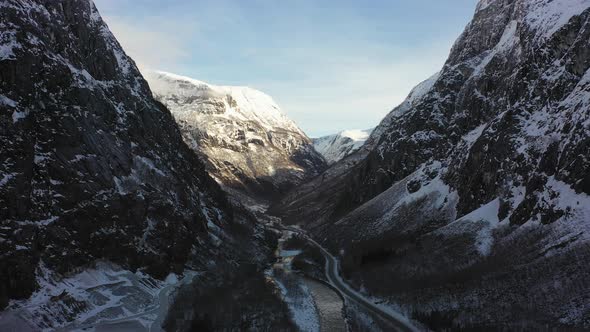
column 337, row 146
column 241, row 103
column 246, row 141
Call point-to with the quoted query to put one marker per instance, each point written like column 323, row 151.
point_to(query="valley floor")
column 327, row 291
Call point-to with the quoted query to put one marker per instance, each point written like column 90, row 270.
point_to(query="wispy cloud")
column 150, row 44
column 333, row 92
column 330, row 65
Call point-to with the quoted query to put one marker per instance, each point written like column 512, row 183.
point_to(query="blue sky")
column 331, row 64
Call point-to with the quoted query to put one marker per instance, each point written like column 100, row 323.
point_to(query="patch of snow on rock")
column 547, row 17
column 7, row 101
column 489, row 214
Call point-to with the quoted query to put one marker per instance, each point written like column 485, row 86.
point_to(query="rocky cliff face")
column 240, row 133
column 476, row 192
column 91, row 166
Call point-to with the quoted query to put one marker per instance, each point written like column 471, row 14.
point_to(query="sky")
column 331, row 65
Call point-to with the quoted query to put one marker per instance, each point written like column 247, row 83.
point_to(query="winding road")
column 394, row 319
column 131, row 323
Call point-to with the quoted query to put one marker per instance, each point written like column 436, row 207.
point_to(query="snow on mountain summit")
column 246, row 141
column 337, row 146
column 243, row 103
column 544, row 17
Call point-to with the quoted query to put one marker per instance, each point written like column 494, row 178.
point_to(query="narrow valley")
column 135, row 199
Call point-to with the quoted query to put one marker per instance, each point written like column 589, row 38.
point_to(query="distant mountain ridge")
column 245, row 140
column 337, row 146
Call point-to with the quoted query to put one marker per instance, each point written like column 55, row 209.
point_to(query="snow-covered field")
column 104, row 297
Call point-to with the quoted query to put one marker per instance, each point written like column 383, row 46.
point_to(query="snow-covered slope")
column 337, row 146
column 241, row 134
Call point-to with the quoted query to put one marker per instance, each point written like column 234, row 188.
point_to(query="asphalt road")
column 395, row 320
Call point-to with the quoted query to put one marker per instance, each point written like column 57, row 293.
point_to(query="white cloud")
column 152, row 39
column 336, row 92
column 326, row 80
column 147, row 45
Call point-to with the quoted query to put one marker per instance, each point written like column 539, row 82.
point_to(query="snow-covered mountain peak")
column 356, row 135
column 337, row 146
column 241, row 103
column 241, row 134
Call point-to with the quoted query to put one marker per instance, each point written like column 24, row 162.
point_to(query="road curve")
column 394, row 319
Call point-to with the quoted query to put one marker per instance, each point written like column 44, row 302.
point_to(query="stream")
column 329, row 303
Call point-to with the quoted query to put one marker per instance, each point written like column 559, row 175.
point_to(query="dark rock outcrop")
column 91, row 166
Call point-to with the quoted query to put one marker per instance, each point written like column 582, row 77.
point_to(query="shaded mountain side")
column 473, row 210
column 323, row 198
column 92, row 167
column 311, row 203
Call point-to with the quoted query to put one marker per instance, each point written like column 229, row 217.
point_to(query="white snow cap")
column 251, row 104
column 356, row 135
column 338, row 146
